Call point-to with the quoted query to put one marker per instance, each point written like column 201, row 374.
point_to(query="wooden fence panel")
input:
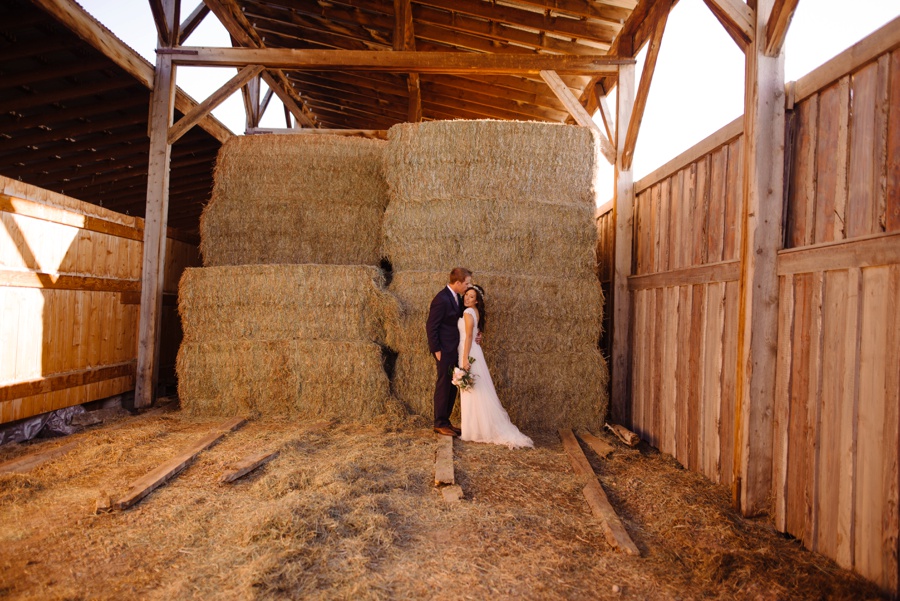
column 69, row 275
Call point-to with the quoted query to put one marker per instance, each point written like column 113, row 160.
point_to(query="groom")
column 443, row 342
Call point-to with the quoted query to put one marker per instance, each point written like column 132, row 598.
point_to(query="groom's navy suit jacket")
column 443, row 334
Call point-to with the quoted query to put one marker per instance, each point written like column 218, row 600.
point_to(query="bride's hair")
column 479, row 304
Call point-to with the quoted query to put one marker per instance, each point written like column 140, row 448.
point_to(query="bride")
column 483, row 417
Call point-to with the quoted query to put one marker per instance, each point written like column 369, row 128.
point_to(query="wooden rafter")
column 191, row 22
column 234, row 21
column 777, row 27
column 737, row 18
column 582, row 117
column 413, row 62
column 215, row 99
column 405, row 40
column 605, row 114
column 640, row 101
column 164, row 28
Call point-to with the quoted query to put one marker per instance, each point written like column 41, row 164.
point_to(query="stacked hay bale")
column 288, row 315
column 514, row 202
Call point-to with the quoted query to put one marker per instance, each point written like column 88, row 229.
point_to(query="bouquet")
column 462, row 378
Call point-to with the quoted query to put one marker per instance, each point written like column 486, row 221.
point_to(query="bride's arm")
column 470, row 326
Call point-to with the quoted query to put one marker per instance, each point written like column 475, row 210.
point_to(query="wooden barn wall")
column 837, row 433
column 69, row 300
column 604, row 256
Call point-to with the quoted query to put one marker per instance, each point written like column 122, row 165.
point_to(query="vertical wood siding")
column 69, row 280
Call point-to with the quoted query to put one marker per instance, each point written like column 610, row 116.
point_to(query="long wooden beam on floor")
column 597, row 444
column 443, row 462
column 247, row 465
column 412, row 62
column 615, row 532
column 26, row 463
column 143, row 486
column 613, row 529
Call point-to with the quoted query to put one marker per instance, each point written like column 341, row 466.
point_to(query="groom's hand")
column 478, row 338
column 438, row 355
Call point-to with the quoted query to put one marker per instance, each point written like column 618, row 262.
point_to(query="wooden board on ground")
column 624, row 434
column 443, row 464
column 26, row 463
column 598, row 445
column 614, row 530
column 247, row 465
column 143, row 486
column 452, row 494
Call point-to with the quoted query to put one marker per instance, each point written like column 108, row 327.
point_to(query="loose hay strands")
column 285, row 302
column 307, row 379
column 501, row 160
column 540, row 347
column 492, row 235
column 295, row 199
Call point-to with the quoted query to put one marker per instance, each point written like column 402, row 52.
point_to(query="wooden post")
column 623, row 211
column 162, row 104
column 763, row 195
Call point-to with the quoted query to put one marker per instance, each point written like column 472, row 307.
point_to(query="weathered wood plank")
column 55, row 382
column 667, row 350
column 890, row 548
column 863, row 172
column 733, row 200
column 813, row 413
column 831, row 161
column 598, row 445
column 892, row 194
column 682, row 317
column 28, row 462
column 782, row 409
column 798, row 445
column 247, row 465
column 641, row 386
column 872, row 251
column 143, row 486
column 712, row 379
column 801, row 216
column 699, row 213
column 715, row 222
column 665, row 221
column 777, row 27
column 613, row 529
column 443, row 463
column 695, row 366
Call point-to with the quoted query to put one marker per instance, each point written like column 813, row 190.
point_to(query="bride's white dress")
column 483, row 417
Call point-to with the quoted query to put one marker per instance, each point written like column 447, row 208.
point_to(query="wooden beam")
column 158, row 10
column 415, row 99
column 380, row 134
column 215, row 99
column 54, row 281
column 643, row 91
column 725, row 271
column 232, row 18
column 72, row 16
column 191, row 22
column 443, row 463
column 577, row 111
column 737, row 18
column 398, row 62
column 146, row 484
column 623, row 218
column 247, row 465
column 598, row 445
column 606, row 115
column 26, row 463
column 264, row 104
column 763, row 195
column 613, row 529
column 777, row 27
column 404, row 35
column 64, row 381
column 162, row 104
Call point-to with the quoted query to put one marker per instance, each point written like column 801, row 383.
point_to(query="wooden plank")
column 715, row 221
column 37, row 210
column 798, row 446
column 801, row 204
column 726, row 271
column 397, row 62
column 870, row 459
column 676, row 216
column 892, row 193
column 777, row 27
column 871, row 251
column 55, row 281
column 598, row 445
column 653, row 254
column 891, row 445
column 443, row 463
column 733, row 199
column 613, row 529
column 665, row 219
column 863, row 173
column 695, row 380
column 146, row 484
column 813, row 413
column 831, row 161
column 643, row 91
column 623, row 215
column 247, row 465
column 712, row 380
column 782, row 415
column 682, row 395
column 28, row 462
column 641, row 365
column 191, row 22
column 763, row 188
column 688, row 201
column 699, row 212
column 880, row 41
column 668, row 352
column 578, row 112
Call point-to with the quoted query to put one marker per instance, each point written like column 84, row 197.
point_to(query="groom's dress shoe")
column 445, row 430
column 457, row 430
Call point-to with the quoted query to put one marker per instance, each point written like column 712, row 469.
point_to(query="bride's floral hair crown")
column 480, row 291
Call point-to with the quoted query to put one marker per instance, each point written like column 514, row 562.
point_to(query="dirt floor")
column 350, row 512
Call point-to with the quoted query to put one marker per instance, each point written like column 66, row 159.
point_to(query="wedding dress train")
column 483, row 417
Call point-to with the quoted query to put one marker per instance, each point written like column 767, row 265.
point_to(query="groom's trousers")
column 444, row 390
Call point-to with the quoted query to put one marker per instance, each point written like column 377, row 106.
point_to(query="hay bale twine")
column 295, row 199
column 512, row 161
column 301, row 340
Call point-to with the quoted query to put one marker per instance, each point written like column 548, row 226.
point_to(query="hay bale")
column 284, row 302
column 295, row 199
column 302, row 379
column 509, row 161
column 489, row 235
column 540, row 345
